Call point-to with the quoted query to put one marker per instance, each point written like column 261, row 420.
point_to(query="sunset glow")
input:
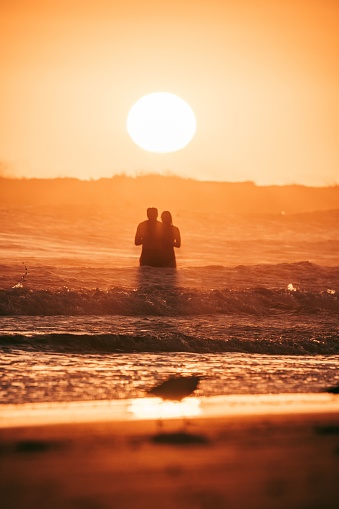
column 261, row 77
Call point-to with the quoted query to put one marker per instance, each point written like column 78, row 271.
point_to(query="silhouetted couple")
column 158, row 239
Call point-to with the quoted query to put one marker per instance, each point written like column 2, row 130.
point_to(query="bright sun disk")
column 161, row 122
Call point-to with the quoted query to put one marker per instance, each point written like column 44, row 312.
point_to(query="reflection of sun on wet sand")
column 149, row 408
column 258, row 460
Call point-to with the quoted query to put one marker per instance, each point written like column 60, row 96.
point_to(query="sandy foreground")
column 229, row 452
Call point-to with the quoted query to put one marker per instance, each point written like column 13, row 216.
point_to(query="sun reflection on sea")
column 155, row 408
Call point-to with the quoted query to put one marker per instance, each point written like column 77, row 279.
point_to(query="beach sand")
column 277, row 459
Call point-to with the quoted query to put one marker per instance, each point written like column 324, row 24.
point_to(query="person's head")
column 166, row 217
column 152, row 213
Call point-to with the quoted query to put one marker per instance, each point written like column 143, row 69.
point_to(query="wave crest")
column 169, row 342
column 164, row 301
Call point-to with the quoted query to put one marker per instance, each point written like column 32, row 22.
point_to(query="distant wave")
column 170, row 342
column 165, row 301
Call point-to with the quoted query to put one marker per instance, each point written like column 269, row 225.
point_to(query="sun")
column 161, row 122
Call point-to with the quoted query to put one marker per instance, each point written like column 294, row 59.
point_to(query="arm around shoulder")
column 177, row 237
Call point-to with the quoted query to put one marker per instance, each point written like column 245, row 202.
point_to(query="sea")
column 252, row 308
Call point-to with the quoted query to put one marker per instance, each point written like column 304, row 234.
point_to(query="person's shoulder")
column 143, row 223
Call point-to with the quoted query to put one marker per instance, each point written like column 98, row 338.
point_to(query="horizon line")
column 164, row 176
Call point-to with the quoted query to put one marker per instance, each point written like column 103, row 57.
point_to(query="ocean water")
column 253, row 306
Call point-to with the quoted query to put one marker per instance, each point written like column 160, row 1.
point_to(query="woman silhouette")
column 170, row 239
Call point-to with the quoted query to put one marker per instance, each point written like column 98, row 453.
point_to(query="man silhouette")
column 149, row 235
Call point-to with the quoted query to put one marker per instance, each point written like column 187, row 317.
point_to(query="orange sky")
column 262, row 77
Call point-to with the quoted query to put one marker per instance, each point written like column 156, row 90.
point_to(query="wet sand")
column 250, row 460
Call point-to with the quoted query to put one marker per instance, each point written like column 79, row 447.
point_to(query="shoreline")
column 271, row 458
column 132, row 410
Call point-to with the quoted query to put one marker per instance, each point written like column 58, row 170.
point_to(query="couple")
column 158, row 239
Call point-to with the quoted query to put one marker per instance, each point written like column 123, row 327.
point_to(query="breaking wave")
column 164, row 301
column 275, row 344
